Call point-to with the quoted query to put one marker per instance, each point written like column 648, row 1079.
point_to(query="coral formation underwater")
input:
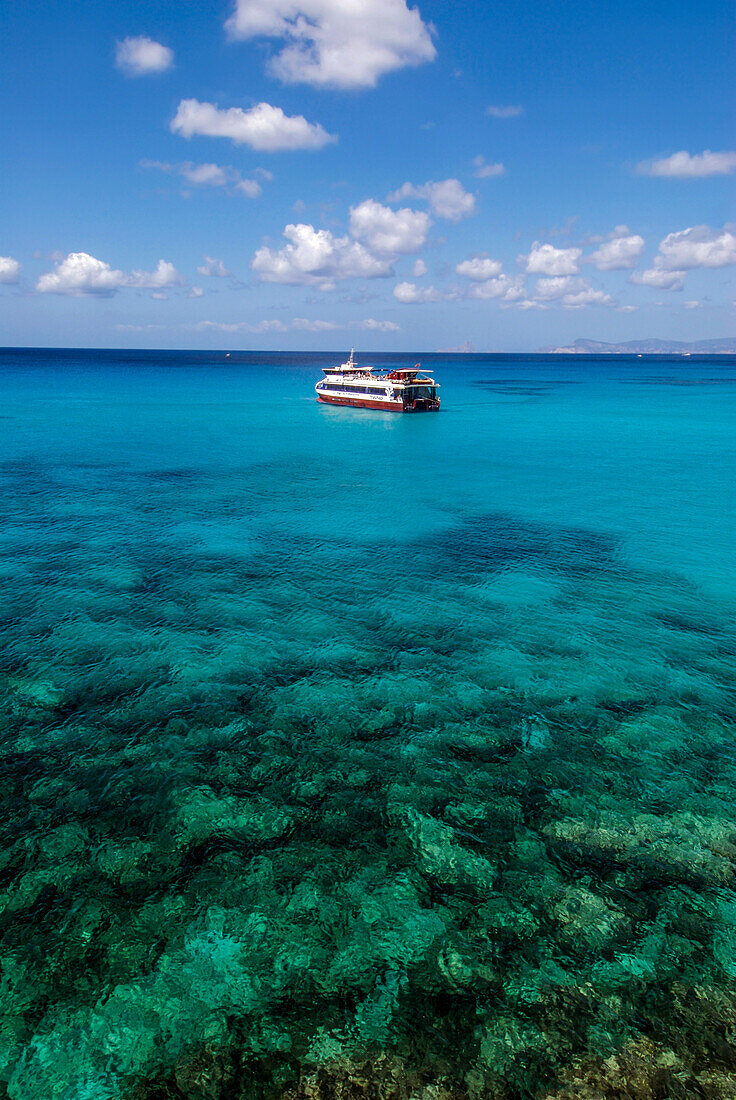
column 460, row 827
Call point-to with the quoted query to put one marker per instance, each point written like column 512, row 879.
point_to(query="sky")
column 285, row 174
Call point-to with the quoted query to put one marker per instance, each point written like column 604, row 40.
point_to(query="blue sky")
column 321, row 173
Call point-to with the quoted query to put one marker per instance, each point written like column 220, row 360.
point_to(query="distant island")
column 726, row 346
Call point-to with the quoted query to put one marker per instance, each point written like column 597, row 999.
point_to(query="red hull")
column 359, row 403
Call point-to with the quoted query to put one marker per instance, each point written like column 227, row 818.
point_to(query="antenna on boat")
column 351, row 360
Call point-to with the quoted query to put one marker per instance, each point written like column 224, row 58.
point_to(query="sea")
column 353, row 754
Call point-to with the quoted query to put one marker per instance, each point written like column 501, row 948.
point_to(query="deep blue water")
column 330, row 734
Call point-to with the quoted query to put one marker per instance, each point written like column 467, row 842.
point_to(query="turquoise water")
column 331, row 735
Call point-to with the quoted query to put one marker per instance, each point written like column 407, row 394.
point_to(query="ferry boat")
column 405, row 389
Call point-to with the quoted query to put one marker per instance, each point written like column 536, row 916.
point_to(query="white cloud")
column 81, row 274
column 250, row 188
column 626, row 309
column 446, row 198
column 618, row 252
column 262, row 127
column 485, row 171
column 139, row 328
column 301, row 324
column 587, row 297
column 331, row 43
column 545, row 259
column 554, row 286
column 213, row 268
column 160, row 296
column 692, row 305
column 139, row 56
column 239, row 326
column 529, row 303
column 571, row 292
column 378, row 236
column 409, row 294
column 196, row 292
column 387, row 231
column 317, row 258
column 698, row 246
column 479, row 268
column 503, row 287
column 9, row 269
column 164, row 275
column 209, row 175
column 378, row 326
column 659, row 278
column 419, row 269
column 505, row 112
column 684, row 166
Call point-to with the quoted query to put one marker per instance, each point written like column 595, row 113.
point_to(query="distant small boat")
column 405, row 389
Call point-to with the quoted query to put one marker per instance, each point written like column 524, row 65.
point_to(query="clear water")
column 329, row 734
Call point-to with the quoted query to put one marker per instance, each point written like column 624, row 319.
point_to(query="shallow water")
column 329, row 734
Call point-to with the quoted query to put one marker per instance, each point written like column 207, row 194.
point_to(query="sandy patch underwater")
column 318, row 749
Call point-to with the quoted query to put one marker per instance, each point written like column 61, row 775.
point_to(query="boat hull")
column 380, row 406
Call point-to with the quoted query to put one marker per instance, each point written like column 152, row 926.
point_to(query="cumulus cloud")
column 139, row 56
column 240, row 326
column 554, row 286
column 209, row 175
column 698, row 246
column 571, row 292
column 488, row 281
column 302, row 324
column 81, row 274
column 579, row 299
column 196, row 292
column 298, row 324
column 684, row 166
column 387, row 231
column 317, row 258
column 658, row 278
column 485, row 171
column 9, row 269
column 330, row 43
column 419, row 269
column 529, row 303
column 262, row 127
column 620, row 251
column 692, row 304
column 250, row 188
column 479, row 268
column 446, row 198
column 512, row 111
column 409, row 294
column 165, row 274
column 502, row 287
column 545, row 259
column 371, row 325
column 213, row 268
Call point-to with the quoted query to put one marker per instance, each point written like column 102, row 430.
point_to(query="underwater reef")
column 453, row 832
